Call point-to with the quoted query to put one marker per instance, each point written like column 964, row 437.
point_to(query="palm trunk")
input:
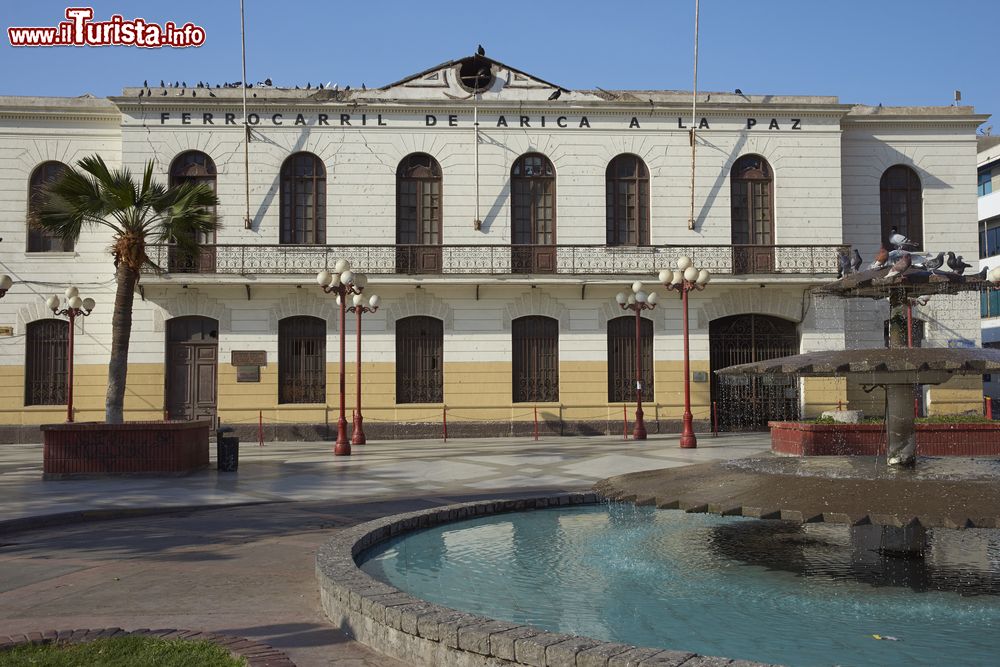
column 121, row 331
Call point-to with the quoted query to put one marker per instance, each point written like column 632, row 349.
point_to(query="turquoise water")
column 756, row 590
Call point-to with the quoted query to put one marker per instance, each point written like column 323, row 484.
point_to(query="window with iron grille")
column 627, row 201
column 901, row 200
column 301, row 360
column 194, row 167
column 41, row 240
column 533, row 200
column 621, row 358
column 535, row 359
column 303, row 200
column 419, row 360
column 752, row 201
column 45, row 362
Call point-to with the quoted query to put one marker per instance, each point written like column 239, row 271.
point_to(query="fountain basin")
column 809, row 439
column 421, row 633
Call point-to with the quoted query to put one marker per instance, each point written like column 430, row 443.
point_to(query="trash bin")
column 227, row 452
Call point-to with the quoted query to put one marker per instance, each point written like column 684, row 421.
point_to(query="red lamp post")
column 683, row 280
column 341, row 282
column 637, row 302
column 75, row 307
column 358, row 436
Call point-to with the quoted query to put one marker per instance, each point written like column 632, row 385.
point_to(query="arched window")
column 419, row 360
column 535, row 359
column 45, row 362
column 194, row 167
column 301, row 360
column 627, row 201
column 418, row 214
column 901, row 205
column 533, row 214
column 40, row 240
column 621, row 358
column 752, row 215
column 303, row 200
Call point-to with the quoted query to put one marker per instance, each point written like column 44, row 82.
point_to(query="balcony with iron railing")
column 495, row 260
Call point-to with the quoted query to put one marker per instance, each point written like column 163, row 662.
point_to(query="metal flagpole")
column 246, row 123
column 475, row 123
column 694, row 112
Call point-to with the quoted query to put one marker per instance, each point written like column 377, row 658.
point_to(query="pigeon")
column 982, row 273
column 480, row 50
column 267, row 82
column 164, row 92
column 182, row 92
column 309, row 85
column 142, row 92
column 194, row 93
column 935, row 263
column 900, row 267
column 322, row 86
column 843, row 264
column 184, row 84
column 145, row 83
column 738, row 91
column 176, row 84
column 347, row 89
column 856, row 262
column 899, row 241
column 555, row 95
column 363, row 87
column 162, row 85
column 956, row 264
column 211, row 94
column 881, row 259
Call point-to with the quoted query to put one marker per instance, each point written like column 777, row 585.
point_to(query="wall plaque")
column 249, row 358
column 248, row 373
column 6, row 331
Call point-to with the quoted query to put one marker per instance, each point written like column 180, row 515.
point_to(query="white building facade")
column 497, row 251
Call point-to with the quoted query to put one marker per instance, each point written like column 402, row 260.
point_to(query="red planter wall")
column 95, row 448
column 803, row 439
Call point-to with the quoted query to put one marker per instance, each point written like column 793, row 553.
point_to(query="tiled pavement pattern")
column 250, row 571
column 255, row 653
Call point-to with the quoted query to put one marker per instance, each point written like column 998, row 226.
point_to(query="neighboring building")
column 988, row 190
column 497, row 253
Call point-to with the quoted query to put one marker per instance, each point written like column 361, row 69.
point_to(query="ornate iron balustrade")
column 484, row 259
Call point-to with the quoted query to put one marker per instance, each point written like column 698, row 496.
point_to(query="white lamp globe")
column 347, row 277
column 323, row 278
column 88, row 304
column 637, row 286
column 703, row 277
column 374, row 301
column 341, row 265
column 358, row 300
column 678, row 278
column 665, row 276
column 631, row 300
column 620, row 298
column 338, row 299
column 71, row 292
column 683, row 262
column 641, row 296
column 995, row 275
column 5, row 282
column 75, row 302
column 52, row 303
column 652, row 298
column 690, row 274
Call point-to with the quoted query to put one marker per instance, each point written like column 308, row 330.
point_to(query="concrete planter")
column 133, row 448
column 804, row 439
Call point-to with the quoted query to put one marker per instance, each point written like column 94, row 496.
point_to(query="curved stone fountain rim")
column 422, row 633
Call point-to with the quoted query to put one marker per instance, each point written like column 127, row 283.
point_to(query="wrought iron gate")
column 748, row 403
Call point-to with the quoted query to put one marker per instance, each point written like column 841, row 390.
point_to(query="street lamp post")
column 5, row 284
column 341, row 282
column 686, row 278
column 359, row 307
column 638, row 301
column 75, row 307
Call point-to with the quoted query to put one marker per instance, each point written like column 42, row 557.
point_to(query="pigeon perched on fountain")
column 856, row 262
column 935, row 263
column 881, row 259
column 956, row 264
column 900, row 241
column 843, row 263
column 900, row 266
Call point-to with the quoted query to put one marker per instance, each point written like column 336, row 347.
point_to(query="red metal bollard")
column 840, row 406
column 536, row 422
column 625, row 421
column 715, row 419
column 260, row 428
column 444, row 422
column 916, row 407
column 989, row 407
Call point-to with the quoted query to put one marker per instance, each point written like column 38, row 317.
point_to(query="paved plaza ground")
column 249, row 570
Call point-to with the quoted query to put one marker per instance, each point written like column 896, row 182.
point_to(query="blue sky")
column 893, row 52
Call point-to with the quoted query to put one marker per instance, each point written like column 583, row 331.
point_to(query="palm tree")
column 137, row 213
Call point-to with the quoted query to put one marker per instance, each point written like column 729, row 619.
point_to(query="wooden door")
column 192, row 368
